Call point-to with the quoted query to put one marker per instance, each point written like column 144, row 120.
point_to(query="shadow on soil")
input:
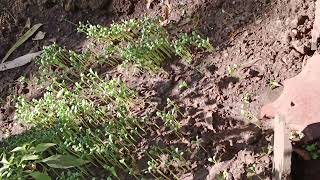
column 221, row 20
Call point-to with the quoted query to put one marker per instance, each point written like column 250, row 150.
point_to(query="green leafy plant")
column 245, row 113
column 232, row 70
column 183, row 85
column 170, row 117
column 88, row 119
column 58, row 63
column 223, row 176
column 195, row 40
column 167, row 162
column 252, row 172
column 214, row 159
column 274, row 84
column 313, row 151
column 145, row 43
column 23, row 162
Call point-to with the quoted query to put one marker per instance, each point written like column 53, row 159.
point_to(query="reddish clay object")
column 299, row 102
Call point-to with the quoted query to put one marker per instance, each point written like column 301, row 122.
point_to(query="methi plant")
column 57, row 62
column 90, row 119
column 167, row 162
column 24, row 162
column 170, row 117
column 185, row 41
column 145, row 43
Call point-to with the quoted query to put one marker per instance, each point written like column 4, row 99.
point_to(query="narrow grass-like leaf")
column 23, row 39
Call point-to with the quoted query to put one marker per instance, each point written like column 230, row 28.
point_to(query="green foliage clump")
column 166, row 162
column 170, row 117
column 313, row 151
column 195, row 40
column 23, row 161
column 145, row 43
column 87, row 120
column 92, row 97
column 91, row 120
column 58, row 63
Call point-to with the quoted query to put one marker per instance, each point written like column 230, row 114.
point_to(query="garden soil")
column 256, row 41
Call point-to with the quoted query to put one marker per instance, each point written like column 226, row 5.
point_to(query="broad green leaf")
column 17, row 149
column 40, row 176
column 24, row 148
column 63, row 161
column 23, row 39
column 3, row 169
column 30, row 157
column 4, row 160
column 42, row 147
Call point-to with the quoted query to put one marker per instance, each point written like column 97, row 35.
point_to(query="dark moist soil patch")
column 266, row 39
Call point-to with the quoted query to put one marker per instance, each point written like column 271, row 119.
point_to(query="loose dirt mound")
column 257, row 41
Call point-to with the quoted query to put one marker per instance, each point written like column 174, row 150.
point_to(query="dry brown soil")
column 266, row 39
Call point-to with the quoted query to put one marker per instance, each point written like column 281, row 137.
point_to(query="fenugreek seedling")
column 144, row 43
column 267, row 150
column 245, row 113
column 90, row 119
column 185, row 41
column 274, row 84
column 170, row 117
column 197, row 142
column 23, row 80
column 167, row 162
column 223, row 176
column 215, row 160
column 57, row 62
column 183, row 85
column 247, row 98
column 252, row 172
column 232, row 70
column 296, row 135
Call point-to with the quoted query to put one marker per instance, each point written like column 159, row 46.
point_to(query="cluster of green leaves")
column 313, row 151
column 167, row 162
column 185, row 41
column 92, row 97
column 91, row 120
column 144, row 43
column 88, row 119
column 58, row 63
column 23, row 162
column 170, row 117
